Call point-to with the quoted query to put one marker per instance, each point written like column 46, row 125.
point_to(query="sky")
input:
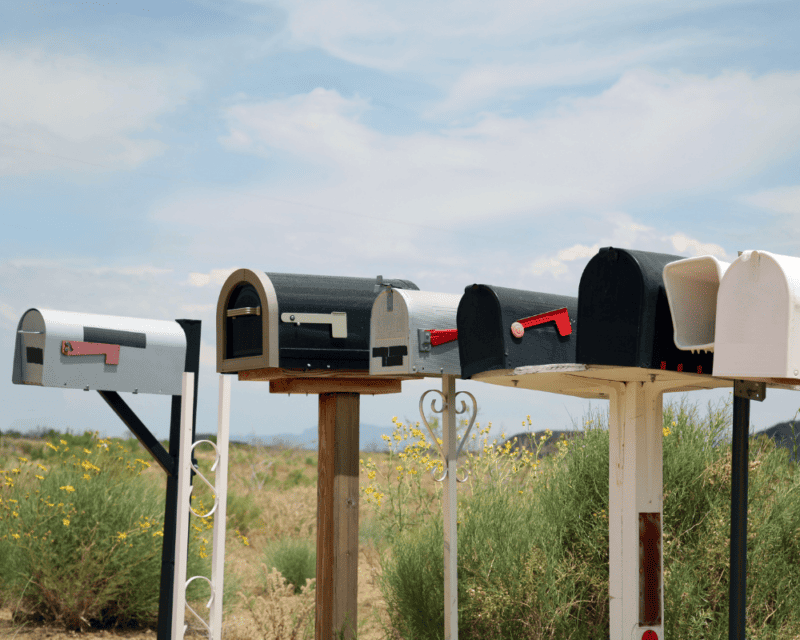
column 148, row 149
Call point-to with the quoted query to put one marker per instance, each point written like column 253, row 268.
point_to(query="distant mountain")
column 369, row 438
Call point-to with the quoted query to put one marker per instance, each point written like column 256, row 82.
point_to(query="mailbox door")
column 389, row 334
column 486, row 342
column 624, row 314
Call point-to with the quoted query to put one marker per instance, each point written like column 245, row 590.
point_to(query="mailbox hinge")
column 337, row 320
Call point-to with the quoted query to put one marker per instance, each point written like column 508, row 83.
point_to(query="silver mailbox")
column 414, row 332
column 97, row 352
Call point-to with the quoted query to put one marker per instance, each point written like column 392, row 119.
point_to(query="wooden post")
column 337, row 517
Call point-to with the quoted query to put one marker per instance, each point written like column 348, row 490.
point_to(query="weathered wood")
column 276, row 373
column 333, row 385
column 337, row 517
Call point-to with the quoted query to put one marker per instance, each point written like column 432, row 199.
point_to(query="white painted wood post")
column 636, row 510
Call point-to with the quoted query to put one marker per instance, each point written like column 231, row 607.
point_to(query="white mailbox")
column 414, row 332
column 97, row 352
column 758, row 318
column 692, row 285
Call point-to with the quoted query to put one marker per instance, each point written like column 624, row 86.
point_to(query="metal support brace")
column 220, row 491
column 449, row 453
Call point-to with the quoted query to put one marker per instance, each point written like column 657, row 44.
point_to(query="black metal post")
column 192, row 330
column 739, row 474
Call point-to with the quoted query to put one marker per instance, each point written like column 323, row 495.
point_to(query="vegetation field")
column 81, row 524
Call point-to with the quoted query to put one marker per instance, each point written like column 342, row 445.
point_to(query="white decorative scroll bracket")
column 445, row 407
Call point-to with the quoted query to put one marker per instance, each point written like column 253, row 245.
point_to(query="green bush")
column 81, row 536
column 242, row 513
column 295, row 559
column 533, row 550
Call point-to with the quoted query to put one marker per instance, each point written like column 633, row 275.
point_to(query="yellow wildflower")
column 39, row 477
column 66, row 522
column 122, row 535
column 68, row 488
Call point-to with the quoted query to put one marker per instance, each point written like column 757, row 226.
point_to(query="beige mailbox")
column 758, row 318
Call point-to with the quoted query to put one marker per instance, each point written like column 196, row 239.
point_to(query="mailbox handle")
column 559, row 316
column 337, row 320
column 244, row 311
column 75, row 348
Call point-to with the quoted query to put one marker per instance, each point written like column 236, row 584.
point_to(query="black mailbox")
column 624, row 314
column 500, row 328
column 298, row 322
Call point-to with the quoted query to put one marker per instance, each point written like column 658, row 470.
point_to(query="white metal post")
column 450, row 506
column 450, row 450
column 221, row 488
column 184, row 498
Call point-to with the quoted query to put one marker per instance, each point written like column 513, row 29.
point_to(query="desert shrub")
column 533, row 547
column 81, row 536
column 242, row 512
column 295, row 558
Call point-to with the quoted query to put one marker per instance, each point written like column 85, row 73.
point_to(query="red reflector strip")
column 75, row 348
column 559, row 316
column 443, row 336
column 649, row 569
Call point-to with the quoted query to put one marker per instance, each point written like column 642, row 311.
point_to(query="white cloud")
column 683, row 244
column 649, row 135
column 428, row 36
column 781, row 200
column 71, row 111
column 577, row 251
column 217, row 277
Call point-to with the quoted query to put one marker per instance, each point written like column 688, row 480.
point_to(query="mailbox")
column 502, row 328
column 299, row 322
column 105, row 353
column 414, row 332
column 624, row 314
column 692, row 286
column 758, row 318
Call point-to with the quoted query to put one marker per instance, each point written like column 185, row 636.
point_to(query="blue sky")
column 147, row 149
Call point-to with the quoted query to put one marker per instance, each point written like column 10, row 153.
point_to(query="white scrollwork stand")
column 449, row 454
column 220, row 491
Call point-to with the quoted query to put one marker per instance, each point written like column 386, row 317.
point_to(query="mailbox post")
column 112, row 354
column 414, row 333
column 310, row 334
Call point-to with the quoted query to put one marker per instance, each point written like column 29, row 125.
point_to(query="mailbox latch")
column 337, row 320
column 75, row 348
